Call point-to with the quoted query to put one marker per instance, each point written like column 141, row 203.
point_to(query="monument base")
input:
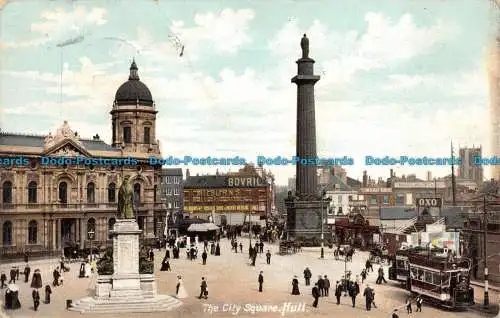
column 126, row 290
column 304, row 221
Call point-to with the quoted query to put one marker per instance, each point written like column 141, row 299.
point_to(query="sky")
column 398, row 77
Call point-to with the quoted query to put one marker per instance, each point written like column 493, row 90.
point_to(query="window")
column 112, row 193
column 177, row 180
column 7, row 192
column 137, row 193
column 330, row 210
column 147, row 137
column 113, row 138
column 140, row 222
column 177, row 204
column 340, row 199
column 428, row 277
column 400, row 199
column 445, row 279
column 63, row 192
column 386, row 199
column 7, row 233
column 169, row 180
column 32, row 192
column 350, row 198
column 420, row 275
column 154, row 193
column 373, row 199
column 176, row 191
column 413, row 273
column 32, row 232
column 127, row 135
column 169, row 191
column 340, row 210
column 111, row 224
column 436, row 278
column 90, row 192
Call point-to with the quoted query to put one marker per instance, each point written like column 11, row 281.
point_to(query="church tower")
column 133, row 116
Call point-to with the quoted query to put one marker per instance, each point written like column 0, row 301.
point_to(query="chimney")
column 392, row 173
column 429, row 176
column 365, row 179
column 187, row 173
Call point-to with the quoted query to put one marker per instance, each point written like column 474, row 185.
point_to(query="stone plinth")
column 126, row 290
column 304, row 219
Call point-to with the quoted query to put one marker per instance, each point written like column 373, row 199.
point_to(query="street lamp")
column 90, row 237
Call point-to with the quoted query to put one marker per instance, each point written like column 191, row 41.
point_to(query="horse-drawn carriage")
column 289, row 247
column 379, row 255
column 344, row 251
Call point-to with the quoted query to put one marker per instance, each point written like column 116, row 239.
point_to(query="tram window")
column 420, row 275
column 428, row 277
column 414, row 273
column 445, row 279
column 436, row 278
column 400, row 264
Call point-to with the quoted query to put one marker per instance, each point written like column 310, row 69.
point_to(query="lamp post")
column 322, row 231
column 486, row 303
column 90, row 237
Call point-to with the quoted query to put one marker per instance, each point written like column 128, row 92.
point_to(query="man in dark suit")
column 326, row 286
column 321, row 286
column 261, row 281
column 316, row 294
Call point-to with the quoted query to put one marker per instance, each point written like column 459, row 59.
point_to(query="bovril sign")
column 244, row 182
column 429, row 202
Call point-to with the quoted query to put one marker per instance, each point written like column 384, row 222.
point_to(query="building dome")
column 133, row 91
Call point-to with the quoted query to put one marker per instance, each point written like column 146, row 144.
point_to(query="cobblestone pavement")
column 232, row 282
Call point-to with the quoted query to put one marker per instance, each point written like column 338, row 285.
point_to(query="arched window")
column 90, row 192
column 7, row 192
column 112, row 193
column 7, row 233
column 111, row 224
column 127, row 135
column 32, row 187
column 91, row 227
column 32, row 232
column 63, row 192
column 137, row 193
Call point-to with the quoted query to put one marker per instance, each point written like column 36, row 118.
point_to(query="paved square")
column 233, row 288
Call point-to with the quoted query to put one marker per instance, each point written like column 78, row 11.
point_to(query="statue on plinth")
column 125, row 200
column 304, row 44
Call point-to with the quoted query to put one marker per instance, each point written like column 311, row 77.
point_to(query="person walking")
column 363, row 275
column 338, row 292
column 12, row 276
column 353, row 292
column 408, row 305
column 326, row 286
column 261, row 281
column 419, row 301
column 48, row 291
column 321, row 286
column 27, row 271
column 3, row 279
column 268, row 257
column 307, row 276
column 368, row 293
column 295, row 286
column 203, row 289
column 204, row 257
column 316, row 294
column 36, row 299
column 395, row 314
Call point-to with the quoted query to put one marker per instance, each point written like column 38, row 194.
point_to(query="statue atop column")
column 304, row 44
column 125, row 200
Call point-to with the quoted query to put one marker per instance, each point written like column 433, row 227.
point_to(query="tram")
column 443, row 281
column 400, row 266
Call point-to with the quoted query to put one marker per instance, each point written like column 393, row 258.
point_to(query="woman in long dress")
column 181, row 291
column 295, row 286
column 88, row 270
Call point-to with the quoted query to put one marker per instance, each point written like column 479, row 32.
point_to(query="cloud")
column 59, row 25
column 384, row 43
column 224, row 32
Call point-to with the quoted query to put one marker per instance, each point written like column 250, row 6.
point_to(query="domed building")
column 48, row 208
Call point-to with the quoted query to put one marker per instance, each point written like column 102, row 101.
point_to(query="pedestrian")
column 307, row 276
column 326, row 286
column 321, row 286
column 48, row 291
column 204, row 257
column 18, row 273
column 408, row 305
column 261, row 281
column 241, row 248
column 203, row 289
column 363, row 275
column 12, row 276
column 380, row 277
column 395, row 314
column 27, row 271
column 26, row 257
column 316, row 294
column 3, row 278
column 165, row 265
column 261, row 247
column 36, row 299
column 368, row 293
column 268, row 257
column 353, row 292
column 338, row 292
column 419, row 301
column 151, row 255
column 295, row 286
column 254, row 257
column 36, row 280
column 56, row 275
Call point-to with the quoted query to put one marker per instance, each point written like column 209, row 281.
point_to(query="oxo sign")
column 429, row 202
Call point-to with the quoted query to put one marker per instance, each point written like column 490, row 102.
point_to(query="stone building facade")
column 171, row 191
column 51, row 206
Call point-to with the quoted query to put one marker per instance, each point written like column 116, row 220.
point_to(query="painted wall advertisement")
column 450, row 240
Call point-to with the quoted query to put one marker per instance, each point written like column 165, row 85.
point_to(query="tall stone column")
column 306, row 173
column 53, row 232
